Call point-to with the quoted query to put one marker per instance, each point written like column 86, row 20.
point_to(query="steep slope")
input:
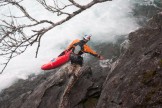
column 55, row 88
column 47, row 90
column 136, row 79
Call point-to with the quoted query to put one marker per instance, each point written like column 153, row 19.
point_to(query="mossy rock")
column 147, row 76
column 160, row 63
column 90, row 103
column 149, row 95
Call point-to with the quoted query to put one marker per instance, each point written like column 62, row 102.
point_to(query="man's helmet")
column 87, row 37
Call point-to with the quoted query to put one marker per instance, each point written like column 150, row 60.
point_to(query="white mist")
column 104, row 21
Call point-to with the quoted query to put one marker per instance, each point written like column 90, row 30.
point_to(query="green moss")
column 131, row 81
column 90, row 103
column 147, row 76
column 160, row 63
column 150, row 94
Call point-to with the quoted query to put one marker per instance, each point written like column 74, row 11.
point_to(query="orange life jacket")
column 85, row 49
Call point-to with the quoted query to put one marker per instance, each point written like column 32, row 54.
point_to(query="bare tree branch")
column 55, row 9
column 22, row 9
column 13, row 38
column 76, row 4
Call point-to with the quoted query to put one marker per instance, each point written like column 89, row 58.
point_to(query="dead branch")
column 13, row 38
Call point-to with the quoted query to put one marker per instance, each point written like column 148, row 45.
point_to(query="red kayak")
column 57, row 61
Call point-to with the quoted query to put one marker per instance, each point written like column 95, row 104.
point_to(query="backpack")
column 78, row 48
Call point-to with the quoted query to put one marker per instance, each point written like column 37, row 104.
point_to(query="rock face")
column 56, row 90
column 50, row 89
column 136, row 80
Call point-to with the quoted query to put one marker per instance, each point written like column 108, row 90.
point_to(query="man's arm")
column 72, row 44
column 87, row 49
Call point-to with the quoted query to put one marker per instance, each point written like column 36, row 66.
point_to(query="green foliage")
column 158, row 3
column 147, row 76
column 90, row 103
column 145, row 9
column 150, row 94
column 160, row 63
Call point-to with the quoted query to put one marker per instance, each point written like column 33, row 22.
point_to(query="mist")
column 104, row 21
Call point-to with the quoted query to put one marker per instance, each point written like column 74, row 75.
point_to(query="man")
column 79, row 47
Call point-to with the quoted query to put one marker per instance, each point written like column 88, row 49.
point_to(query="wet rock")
column 140, row 68
column 50, row 89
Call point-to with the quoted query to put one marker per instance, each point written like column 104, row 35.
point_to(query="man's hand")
column 101, row 58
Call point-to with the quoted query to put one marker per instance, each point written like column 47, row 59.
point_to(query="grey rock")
column 136, row 82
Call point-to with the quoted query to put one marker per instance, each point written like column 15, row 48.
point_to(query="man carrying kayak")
column 79, row 47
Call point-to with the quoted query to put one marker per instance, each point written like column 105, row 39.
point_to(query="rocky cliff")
column 134, row 80
column 56, row 88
